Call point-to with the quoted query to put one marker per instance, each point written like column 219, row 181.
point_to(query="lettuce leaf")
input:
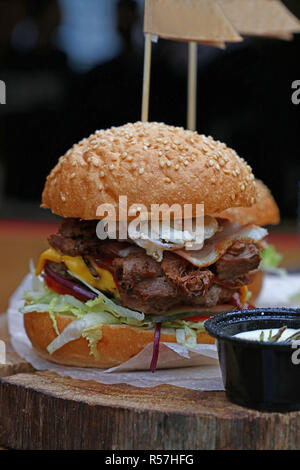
column 270, row 260
column 83, row 327
column 90, row 316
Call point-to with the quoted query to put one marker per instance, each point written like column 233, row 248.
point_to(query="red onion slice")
column 154, row 360
column 70, row 285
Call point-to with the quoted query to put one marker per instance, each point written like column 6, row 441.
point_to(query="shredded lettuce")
column 90, row 316
column 75, row 329
column 248, row 295
column 93, row 335
column 110, row 305
column 180, row 335
column 270, row 260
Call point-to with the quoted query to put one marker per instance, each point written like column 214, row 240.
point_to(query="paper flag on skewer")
column 189, row 20
column 266, row 18
column 210, row 22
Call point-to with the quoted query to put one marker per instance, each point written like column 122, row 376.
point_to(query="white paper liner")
column 196, row 368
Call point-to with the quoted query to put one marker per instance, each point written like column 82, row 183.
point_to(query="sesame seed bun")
column 150, row 163
column 264, row 212
column 118, row 344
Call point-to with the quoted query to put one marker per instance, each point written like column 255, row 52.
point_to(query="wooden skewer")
column 146, row 77
column 192, row 86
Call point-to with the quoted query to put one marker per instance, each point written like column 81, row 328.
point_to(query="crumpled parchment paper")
column 196, row 368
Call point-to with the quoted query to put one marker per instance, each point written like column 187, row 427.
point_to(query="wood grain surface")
column 45, row 411
column 41, row 410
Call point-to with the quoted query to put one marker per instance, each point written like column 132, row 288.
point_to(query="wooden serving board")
column 41, row 410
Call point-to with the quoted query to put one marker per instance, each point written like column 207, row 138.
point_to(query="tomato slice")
column 198, row 318
column 52, row 284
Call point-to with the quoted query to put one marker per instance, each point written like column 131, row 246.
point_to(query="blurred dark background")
column 74, row 66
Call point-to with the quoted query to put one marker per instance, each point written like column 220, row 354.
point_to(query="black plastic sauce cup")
column 260, row 375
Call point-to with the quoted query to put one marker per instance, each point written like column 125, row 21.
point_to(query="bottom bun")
column 118, row 344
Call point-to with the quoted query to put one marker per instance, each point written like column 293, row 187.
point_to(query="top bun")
column 264, row 212
column 150, row 163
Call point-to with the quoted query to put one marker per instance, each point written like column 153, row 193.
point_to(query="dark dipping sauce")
column 258, row 374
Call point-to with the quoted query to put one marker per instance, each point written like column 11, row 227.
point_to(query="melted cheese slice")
column 105, row 281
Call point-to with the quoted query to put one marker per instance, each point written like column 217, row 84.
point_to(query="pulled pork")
column 152, row 287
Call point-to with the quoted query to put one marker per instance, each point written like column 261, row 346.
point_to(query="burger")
column 264, row 212
column 97, row 302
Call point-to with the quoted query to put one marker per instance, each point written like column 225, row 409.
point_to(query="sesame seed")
column 169, row 163
column 111, row 167
column 100, row 187
column 181, row 159
column 233, row 196
column 101, row 174
column 124, row 154
column 134, row 165
column 129, row 158
column 141, row 171
column 217, row 166
column 176, row 166
column 63, row 198
column 167, row 180
column 186, row 162
column 242, row 187
column 72, row 175
column 168, row 147
column 211, row 163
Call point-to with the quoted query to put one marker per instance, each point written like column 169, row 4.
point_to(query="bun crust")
column 150, row 163
column 118, row 343
column 265, row 211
